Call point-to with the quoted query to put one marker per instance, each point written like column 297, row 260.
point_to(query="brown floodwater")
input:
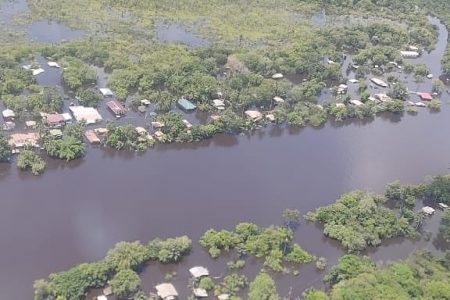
column 76, row 211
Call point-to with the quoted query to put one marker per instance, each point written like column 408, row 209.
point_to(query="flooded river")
column 76, row 211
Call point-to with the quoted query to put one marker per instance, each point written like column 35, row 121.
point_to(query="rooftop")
column 116, row 107
column 253, row 114
column 88, row 114
column 92, row 137
column 106, row 92
column 22, row 139
column 186, row 104
column 166, row 290
column 199, row 271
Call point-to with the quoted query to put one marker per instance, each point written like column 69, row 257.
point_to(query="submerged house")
column 199, row 271
column 409, row 54
column 92, row 137
column 166, row 291
column 8, row 114
column 116, row 108
column 88, row 114
column 254, row 115
column 106, row 92
column 54, row 120
column 425, row 96
column 186, row 104
column 19, row 140
column 379, row 82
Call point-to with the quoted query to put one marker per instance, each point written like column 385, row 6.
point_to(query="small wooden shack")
column 166, row 291
column 116, row 108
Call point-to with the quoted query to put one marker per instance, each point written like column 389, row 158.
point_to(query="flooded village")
column 209, row 194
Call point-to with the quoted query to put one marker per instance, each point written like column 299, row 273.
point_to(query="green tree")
column 127, row 255
column 263, row 288
column 125, row 284
column 27, row 159
column 5, row 149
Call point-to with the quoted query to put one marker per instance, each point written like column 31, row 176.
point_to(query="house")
column 19, row 140
column 188, row 124
column 199, row 271
column 379, row 82
column 30, row 124
column 54, row 120
column 342, row 89
column 383, row 97
column 277, row 76
column 8, row 114
column 254, row 115
column 200, row 293
column 141, row 130
column 102, row 297
column 413, row 48
column 270, row 117
column 107, row 291
column 219, row 104
column 157, row 125
column 223, row 297
column 56, row 133
column 409, row 54
column 88, row 114
column 166, row 291
column 145, row 102
column 101, row 130
column 116, row 108
column 278, row 100
column 442, row 205
column 53, row 64
column 428, row 210
column 92, row 137
column 425, row 96
column 106, row 92
column 356, row 102
column 420, row 104
column 186, row 104
column 38, row 71
column 8, row 125
column 353, row 80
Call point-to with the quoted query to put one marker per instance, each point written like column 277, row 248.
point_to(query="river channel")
column 76, row 211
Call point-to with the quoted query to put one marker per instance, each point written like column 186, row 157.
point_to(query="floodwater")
column 76, row 211
column 43, row 31
column 175, row 32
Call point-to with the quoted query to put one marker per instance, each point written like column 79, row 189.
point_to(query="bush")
column 27, row 159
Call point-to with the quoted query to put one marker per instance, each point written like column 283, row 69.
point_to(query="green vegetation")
column 119, row 267
column 263, row 288
column 358, row 220
column 28, row 160
column 5, row 149
column 274, row 244
column 126, row 137
column 69, row 147
column 421, row 276
column 444, row 229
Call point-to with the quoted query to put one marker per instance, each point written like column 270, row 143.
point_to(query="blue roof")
column 186, row 104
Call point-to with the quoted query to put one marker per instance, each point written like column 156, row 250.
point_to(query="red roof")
column 116, row 107
column 425, row 96
column 55, row 118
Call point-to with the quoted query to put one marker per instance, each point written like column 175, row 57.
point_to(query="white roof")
column 102, row 297
column 38, row 71
column 379, row 82
column 145, row 102
column 166, row 290
column 409, row 53
column 253, row 114
column 66, row 116
column 420, row 104
column 428, row 210
column 442, row 205
column 356, row 102
column 278, row 99
column 200, row 293
column 199, row 271
column 187, row 123
column 277, row 76
column 8, row 113
column 88, row 114
column 106, row 92
column 343, row 86
column 223, row 297
column 218, row 102
column 353, row 80
column 340, row 105
column 53, row 64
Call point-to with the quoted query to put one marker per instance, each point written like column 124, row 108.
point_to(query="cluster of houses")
column 167, row 291
column 428, row 210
